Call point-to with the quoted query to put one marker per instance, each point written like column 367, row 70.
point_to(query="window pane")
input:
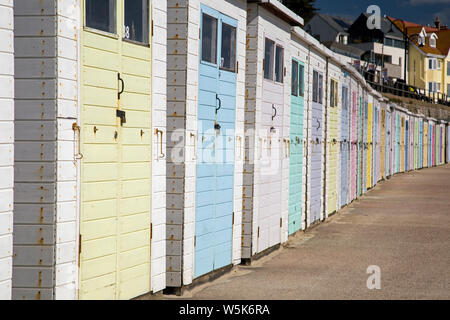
column 279, row 64
column 101, row 15
column 209, row 39
column 136, row 20
column 268, row 59
column 320, row 88
column 302, row 80
column 228, row 50
column 332, row 95
column 294, row 85
column 315, row 85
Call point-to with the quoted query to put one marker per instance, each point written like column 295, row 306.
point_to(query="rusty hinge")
column 263, row 63
column 237, row 66
column 232, row 220
column 152, row 28
column 151, row 231
column 258, row 232
column 79, row 249
column 281, row 222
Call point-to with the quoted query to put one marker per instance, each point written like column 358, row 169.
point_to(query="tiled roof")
column 443, row 36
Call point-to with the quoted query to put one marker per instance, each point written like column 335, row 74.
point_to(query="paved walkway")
column 402, row 226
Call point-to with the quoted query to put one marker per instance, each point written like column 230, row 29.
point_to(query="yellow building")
column 429, row 59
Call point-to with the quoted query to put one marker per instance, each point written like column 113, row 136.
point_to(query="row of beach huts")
column 146, row 145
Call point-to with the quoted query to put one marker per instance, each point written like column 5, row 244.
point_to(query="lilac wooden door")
column 316, row 147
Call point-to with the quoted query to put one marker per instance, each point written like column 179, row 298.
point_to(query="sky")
column 418, row 11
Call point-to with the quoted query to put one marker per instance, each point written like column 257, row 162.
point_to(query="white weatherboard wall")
column 46, row 173
column 262, row 23
column 183, row 25
column 159, row 104
column 6, row 145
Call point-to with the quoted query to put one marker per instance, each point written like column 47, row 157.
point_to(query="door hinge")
column 237, row 66
column 258, row 232
column 232, row 220
column 151, row 231
column 281, row 222
column 263, row 63
column 79, row 249
column 195, row 241
column 199, row 33
column 152, row 28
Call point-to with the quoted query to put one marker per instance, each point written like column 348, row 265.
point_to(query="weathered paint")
column 6, row 146
column 116, row 167
column 46, row 108
column 296, row 146
column 215, row 164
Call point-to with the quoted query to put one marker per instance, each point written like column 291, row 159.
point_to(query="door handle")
column 275, row 109
column 123, row 85
column 159, row 133
column 77, row 130
column 193, row 135
column 220, row 103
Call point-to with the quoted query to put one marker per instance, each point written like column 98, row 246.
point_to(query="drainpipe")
column 306, row 143
column 325, row 143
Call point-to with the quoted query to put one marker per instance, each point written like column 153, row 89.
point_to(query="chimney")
column 437, row 23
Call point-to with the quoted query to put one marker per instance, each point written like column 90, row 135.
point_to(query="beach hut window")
column 317, row 87
column 101, row 15
column 228, row 50
column 279, row 64
column 209, row 39
column 136, row 21
column 301, row 80
column 268, row 59
column 294, row 85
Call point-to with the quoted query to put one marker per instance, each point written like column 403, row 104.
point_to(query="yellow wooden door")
column 116, row 167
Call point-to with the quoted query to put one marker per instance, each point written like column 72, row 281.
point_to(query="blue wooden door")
column 296, row 146
column 316, row 148
column 345, row 146
column 215, row 156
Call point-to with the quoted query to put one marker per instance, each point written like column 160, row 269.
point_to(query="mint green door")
column 296, row 147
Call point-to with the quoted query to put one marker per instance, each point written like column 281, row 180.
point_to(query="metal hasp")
column 121, row 114
column 272, row 128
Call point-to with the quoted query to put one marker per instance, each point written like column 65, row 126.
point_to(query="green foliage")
column 304, row 8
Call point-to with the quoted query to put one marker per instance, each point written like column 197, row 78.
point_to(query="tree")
column 304, row 8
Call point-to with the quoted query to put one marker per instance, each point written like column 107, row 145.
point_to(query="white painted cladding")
column 159, row 105
column 182, row 85
column 46, row 80
column 6, row 145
